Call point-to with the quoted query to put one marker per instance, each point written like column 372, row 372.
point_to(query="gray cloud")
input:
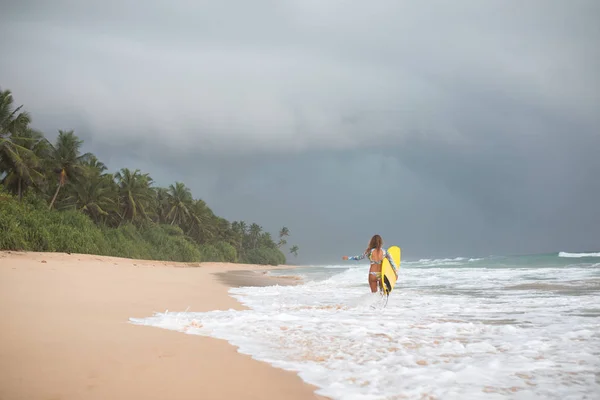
column 480, row 117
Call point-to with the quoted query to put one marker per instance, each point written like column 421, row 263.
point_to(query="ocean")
column 514, row 327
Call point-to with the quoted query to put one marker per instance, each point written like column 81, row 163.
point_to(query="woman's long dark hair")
column 375, row 243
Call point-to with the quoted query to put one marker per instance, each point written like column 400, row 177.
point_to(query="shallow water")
column 499, row 328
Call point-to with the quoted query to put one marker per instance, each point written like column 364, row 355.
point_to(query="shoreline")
column 67, row 333
column 243, row 277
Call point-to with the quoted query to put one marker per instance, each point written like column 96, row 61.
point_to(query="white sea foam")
column 577, row 255
column 438, row 262
column 450, row 333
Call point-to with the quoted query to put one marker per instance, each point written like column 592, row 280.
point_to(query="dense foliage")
column 54, row 197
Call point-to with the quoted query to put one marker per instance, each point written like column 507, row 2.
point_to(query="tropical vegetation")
column 55, row 197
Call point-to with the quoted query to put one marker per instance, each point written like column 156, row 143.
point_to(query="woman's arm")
column 355, row 258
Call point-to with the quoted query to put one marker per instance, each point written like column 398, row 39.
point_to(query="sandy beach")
column 65, row 331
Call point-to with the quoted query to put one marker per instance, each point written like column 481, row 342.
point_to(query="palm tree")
column 243, row 227
column 17, row 140
column 294, row 250
column 65, row 160
column 222, row 230
column 254, row 233
column 136, row 196
column 243, row 233
column 239, row 231
column 161, row 205
column 284, row 232
column 94, row 196
column 265, row 240
column 94, row 166
column 12, row 122
column 179, row 200
column 200, row 228
column 30, row 148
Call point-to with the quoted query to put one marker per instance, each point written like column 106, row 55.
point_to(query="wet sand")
column 237, row 278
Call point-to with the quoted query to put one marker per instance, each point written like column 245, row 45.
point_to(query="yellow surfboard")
column 388, row 278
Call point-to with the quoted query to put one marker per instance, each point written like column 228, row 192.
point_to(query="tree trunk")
column 55, row 194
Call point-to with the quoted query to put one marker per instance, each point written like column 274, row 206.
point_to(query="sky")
column 452, row 129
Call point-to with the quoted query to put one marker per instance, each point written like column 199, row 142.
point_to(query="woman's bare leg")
column 373, row 283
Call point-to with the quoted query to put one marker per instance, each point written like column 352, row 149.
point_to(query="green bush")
column 35, row 231
column 35, row 200
column 29, row 225
column 218, row 252
column 24, row 227
column 210, row 253
column 227, row 251
column 125, row 242
column 265, row 256
column 12, row 233
column 168, row 243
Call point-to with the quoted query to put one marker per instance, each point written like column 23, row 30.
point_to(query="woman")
column 376, row 254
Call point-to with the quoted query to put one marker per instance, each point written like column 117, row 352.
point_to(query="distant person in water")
column 376, row 253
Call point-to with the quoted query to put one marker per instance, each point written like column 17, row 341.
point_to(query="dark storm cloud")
column 475, row 123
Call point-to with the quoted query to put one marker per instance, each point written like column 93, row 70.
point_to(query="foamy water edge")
column 448, row 333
